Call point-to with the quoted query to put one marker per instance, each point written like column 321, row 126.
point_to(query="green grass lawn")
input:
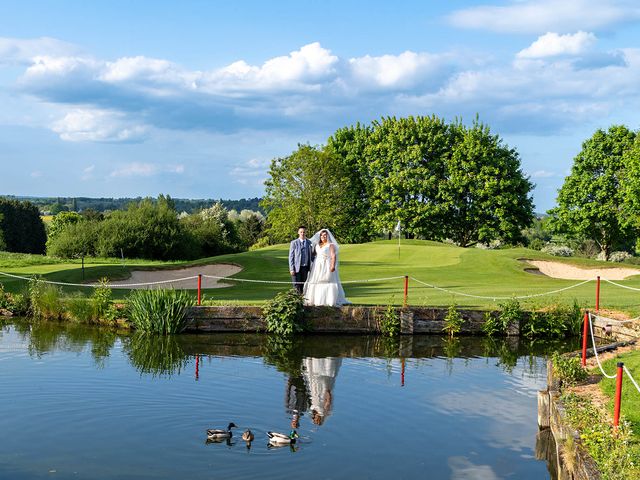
column 491, row 273
column 630, row 404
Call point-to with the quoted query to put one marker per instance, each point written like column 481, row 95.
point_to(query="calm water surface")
column 85, row 403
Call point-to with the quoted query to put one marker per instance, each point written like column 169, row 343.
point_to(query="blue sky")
column 194, row 98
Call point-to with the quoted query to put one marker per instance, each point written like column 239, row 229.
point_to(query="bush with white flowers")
column 558, row 250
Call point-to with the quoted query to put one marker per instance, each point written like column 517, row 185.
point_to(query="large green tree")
column 306, row 188
column 631, row 190
column 350, row 145
column 591, row 202
column 147, row 229
column 407, row 159
column 484, row 194
column 21, row 227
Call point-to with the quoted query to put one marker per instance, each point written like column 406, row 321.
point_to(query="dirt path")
column 148, row 276
column 571, row 272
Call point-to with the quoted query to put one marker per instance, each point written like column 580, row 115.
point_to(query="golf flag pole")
column 398, row 229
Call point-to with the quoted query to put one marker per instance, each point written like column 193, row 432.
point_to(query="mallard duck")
column 219, row 433
column 282, row 439
column 247, row 436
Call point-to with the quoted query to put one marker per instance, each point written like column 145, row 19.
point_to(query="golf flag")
column 397, row 229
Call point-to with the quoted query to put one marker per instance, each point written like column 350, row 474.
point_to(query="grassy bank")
column 491, row 273
column 630, row 405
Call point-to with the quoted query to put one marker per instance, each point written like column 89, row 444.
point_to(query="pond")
column 82, row 402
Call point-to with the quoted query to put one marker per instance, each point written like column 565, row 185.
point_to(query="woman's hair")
column 326, row 233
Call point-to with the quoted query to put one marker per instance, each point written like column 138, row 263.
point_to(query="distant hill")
column 102, row 204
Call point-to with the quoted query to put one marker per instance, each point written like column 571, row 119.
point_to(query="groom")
column 301, row 256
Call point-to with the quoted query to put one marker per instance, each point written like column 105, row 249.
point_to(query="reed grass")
column 159, row 311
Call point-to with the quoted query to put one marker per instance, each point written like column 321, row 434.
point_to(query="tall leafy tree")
column 21, row 227
column 407, row 158
column 591, row 202
column 60, row 222
column 484, row 194
column 306, row 188
column 350, row 145
column 632, row 186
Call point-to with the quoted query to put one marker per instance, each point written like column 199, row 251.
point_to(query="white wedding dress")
column 323, row 286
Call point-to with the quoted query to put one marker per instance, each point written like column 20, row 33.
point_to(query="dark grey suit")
column 298, row 252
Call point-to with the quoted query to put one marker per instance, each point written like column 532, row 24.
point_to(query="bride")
column 323, row 285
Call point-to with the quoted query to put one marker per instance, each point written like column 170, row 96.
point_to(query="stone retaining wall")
column 350, row 319
column 552, row 416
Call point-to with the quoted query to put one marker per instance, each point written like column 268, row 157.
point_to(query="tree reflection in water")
column 158, row 355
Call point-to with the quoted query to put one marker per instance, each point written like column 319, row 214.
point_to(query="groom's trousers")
column 300, row 277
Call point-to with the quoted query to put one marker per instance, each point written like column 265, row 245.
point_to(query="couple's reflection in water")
column 312, row 390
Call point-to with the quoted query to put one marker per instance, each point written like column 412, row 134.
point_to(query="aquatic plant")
column 492, row 325
column 159, row 311
column 388, row 321
column 453, row 322
column 556, row 320
column 79, row 308
column 45, row 300
column 284, row 314
column 568, row 368
column 16, row 303
column 101, row 301
column 510, row 313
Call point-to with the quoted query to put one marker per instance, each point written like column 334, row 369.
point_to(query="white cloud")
column 141, row 169
column 98, row 126
column 252, row 172
column 36, row 174
column 87, row 173
column 543, row 174
column 396, row 71
column 23, row 51
column 553, row 44
column 541, row 89
column 531, row 16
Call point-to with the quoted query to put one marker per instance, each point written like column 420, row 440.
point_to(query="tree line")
column 55, row 205
column 439, row 180
column 153, row 229
column 150, row 228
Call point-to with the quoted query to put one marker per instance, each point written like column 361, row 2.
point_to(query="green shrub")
column 284, row 314
column 15, row 303
column 388, row 321
column 492, row 325
column 80, row 309
column 453, row 321
column 101, row 301
column 74, row 239
column 558, row 320
column 20, row 304
column 159, row 311
column 45, row 300
column 510, row 313
column 568, row 368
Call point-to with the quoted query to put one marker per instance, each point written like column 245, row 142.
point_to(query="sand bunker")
column 148, row 276
column 571, row 272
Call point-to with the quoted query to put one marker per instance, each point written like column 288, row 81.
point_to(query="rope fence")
column 346, row 282
column 595, row 351
column 489, row 297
